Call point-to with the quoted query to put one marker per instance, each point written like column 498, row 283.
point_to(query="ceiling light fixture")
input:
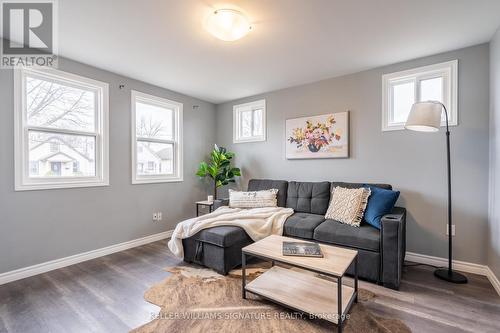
column 228, row 24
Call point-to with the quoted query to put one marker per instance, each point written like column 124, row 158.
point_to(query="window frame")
column 238, row 110
column 447, row 70
column 177, row 141
column 21, row 131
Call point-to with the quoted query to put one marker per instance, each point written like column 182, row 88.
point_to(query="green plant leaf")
column 219, row 167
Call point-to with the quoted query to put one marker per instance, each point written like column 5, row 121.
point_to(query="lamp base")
column 450, row 275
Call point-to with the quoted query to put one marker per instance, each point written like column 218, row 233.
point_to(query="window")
column 249, row 122
column 156, row 139
column 400, row 90
column 60, row 118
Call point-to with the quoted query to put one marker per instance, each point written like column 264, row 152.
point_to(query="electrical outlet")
column 158, row 216
column 452, row 230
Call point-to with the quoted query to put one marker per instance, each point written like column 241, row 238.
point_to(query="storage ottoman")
column 218, row 248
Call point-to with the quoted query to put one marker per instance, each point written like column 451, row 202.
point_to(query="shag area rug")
column 196, row 300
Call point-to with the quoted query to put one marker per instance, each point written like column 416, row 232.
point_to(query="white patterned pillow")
column 254, row 199
column 348, row 205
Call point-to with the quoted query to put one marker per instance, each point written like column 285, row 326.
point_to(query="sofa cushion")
column 380, row 203
column 267, row 184
column 223, row 236
column 307, row 197
column 253, row 199
column 365, row 237
column 302, row 225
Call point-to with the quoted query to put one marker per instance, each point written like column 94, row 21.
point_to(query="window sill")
column 52, row 186
column 256, row 139
column 402, row 126
column 139, row 181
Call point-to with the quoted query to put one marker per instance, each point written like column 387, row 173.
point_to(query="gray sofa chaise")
column 381, row 252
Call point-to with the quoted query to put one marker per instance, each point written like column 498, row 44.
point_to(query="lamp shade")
column 425, row 117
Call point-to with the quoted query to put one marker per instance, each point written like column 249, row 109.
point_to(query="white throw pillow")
column 254, row 199
column 348, row 205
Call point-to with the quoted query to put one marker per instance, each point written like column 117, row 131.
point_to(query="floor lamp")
column 426, row 117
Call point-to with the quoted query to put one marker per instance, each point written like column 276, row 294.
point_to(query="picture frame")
column 316, row 137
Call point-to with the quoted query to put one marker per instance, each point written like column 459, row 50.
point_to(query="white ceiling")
column 292, row 42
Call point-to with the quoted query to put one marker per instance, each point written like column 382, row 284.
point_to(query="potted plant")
column 219, row 168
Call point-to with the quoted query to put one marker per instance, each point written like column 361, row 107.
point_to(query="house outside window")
column 156, row 139
column 34, row 167
column 249, row 122
column 60, row 118
column 400, row 90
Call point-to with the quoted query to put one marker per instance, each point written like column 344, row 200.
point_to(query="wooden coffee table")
column 298, row 290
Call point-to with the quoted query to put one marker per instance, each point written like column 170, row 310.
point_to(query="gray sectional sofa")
column 381, row 252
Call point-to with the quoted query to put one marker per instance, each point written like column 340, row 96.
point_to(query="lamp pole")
column 449, row 274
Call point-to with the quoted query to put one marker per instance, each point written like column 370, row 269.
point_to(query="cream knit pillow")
column 348, row 205
column 254, row 199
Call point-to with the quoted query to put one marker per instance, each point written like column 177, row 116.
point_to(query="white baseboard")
column 462, row 266
column 494, row 280
column 77, row 258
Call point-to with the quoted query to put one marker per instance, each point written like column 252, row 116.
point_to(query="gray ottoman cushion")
column 306, row 197
column 267, row 184
column 364, row 237
column 223, row 236
column 302, row 225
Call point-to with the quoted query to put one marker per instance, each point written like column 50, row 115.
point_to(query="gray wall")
column 494, row 227
column 37, row 226
column 414, row 163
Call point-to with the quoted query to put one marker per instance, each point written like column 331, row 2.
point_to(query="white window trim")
column 237, row 109
column 21, row 161
column 448, row 69
column 178, row 145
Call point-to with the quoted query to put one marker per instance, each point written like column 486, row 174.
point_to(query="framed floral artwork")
column 323, row 136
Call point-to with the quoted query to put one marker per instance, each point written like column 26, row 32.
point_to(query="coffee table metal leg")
column 243, row 275
column 356, row 278
column 339, row 303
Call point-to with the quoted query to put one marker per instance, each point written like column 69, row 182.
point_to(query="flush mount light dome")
column 228, row 24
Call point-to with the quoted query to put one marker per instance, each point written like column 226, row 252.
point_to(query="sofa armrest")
column 393, row 247
column 220, row 202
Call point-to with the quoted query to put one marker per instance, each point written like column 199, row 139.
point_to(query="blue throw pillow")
column 380, row 202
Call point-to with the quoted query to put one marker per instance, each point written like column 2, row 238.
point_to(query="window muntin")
column 402, row 89
column 61, row 120
column 157, row 146
column 249, row 123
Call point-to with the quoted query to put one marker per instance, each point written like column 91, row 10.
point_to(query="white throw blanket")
column 257, row 222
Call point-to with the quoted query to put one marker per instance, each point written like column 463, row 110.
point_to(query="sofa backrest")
column 304, row 197
column 307, row 197
column 267, row 184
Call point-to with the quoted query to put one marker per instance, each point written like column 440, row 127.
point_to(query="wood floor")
column 106, row 295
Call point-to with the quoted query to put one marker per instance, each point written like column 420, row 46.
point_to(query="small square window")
column 430, row 83
column 249, row 122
